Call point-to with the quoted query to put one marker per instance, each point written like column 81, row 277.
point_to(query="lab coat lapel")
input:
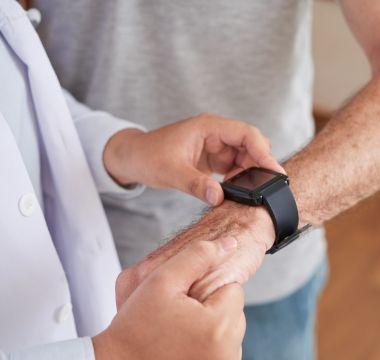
column 73, row 209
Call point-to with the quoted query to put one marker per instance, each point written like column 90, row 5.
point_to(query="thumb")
column 181, row 271
column 202, row 186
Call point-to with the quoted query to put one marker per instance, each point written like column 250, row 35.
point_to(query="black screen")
column 252, row 179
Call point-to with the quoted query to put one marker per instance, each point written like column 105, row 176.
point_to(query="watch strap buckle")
column 278, row 245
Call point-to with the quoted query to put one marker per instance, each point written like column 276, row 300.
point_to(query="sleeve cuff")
column 95, row 133
column 79, row 349
column 95, row 128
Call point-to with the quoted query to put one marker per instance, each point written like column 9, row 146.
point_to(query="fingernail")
column 228, row 244
column 211, row 196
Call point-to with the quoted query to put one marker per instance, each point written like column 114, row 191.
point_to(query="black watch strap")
column 280, row 203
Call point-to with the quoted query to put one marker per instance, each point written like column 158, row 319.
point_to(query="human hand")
column 160, row 321
column 253, row 229
column 183, row 155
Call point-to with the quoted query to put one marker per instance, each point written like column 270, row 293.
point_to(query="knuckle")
column 126, row 276
column 261, row 158
column 195, row 186
column 122, row 277
column 134, row 275
column 205, row 115
column 256, row 132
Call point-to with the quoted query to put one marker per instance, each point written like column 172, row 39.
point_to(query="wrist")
column 255, row 221
column 100, row 348
column 105, row 348
column 120, row 156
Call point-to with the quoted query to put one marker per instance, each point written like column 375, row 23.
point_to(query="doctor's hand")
column 160, row 321
column 183, row 155
column 253, row 229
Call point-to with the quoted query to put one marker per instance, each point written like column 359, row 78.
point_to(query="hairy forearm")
column 248, row 225
column 341, row 166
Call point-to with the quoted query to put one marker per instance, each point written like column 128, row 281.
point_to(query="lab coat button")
column 27, row 204
column 34, row 16
column 63, row 313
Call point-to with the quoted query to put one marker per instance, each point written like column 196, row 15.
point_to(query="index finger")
column 241, row 135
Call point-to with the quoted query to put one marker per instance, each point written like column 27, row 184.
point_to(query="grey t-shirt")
column 154, row 62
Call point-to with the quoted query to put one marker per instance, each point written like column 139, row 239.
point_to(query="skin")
column 183, row 155
column 161, row 321
column 340, row 167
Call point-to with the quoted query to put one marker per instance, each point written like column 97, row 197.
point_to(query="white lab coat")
column 64, row 258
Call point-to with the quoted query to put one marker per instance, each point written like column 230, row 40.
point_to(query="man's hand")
column 183, row 155
column 160, row 321
column 251, row 227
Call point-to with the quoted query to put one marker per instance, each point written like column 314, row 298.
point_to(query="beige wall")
column 340, row 65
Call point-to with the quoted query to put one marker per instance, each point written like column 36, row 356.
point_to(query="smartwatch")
column 263, row 187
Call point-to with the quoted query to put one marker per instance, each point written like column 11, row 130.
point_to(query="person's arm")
column 340, row 167
column 182, row 155
column 95, row 128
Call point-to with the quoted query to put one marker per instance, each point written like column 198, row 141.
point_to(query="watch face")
column 252, row 178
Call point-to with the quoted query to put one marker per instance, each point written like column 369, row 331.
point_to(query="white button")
column 63, row 313
column 34, row 16
column 27, row 204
